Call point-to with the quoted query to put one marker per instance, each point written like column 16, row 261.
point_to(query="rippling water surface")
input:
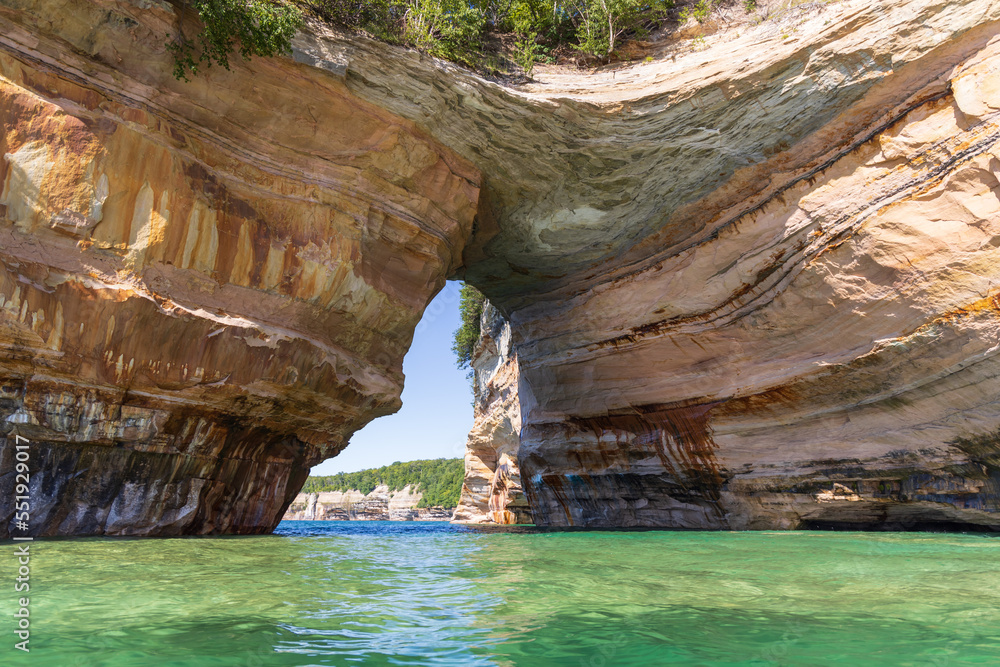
column 379, row 593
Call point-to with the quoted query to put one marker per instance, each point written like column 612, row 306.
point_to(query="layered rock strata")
column 496, row 431
column 826, row 318
column 752, row 284
column 206, row 287
column 380, row 504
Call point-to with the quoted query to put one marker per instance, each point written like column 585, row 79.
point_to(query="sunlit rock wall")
column 380, row 504
column 812, row 343
column 750, row 284
column 205, row 287
column 827, row 317
column 497, row 427
column 754, row 282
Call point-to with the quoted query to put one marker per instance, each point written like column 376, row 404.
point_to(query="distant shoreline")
column 380, row 504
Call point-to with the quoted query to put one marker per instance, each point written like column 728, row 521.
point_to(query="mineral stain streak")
column 501, row 486
column 655, row 463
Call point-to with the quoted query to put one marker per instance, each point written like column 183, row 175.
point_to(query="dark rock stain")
column 612, row 484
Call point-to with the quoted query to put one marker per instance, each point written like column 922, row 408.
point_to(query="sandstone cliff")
column 755, row 286
column 379, row 505
column 751, row 284
column 496, row 431
column 206, row 287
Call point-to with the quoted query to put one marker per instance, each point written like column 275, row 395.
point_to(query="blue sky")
column 437, row 401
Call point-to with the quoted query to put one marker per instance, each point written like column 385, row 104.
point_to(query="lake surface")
column 380, row 593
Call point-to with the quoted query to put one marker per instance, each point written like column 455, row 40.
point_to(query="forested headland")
column 438, row 480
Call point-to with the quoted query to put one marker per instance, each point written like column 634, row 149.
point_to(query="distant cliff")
column 425, row 490
column 381, row 504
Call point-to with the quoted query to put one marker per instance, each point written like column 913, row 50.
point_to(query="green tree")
column 465, row 31
column 470, row 309
column 451, row 29
column 702, row 9
column 382, row 19
column 602, row 25
column 248, row 27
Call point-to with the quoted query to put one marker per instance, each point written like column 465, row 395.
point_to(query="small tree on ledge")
column 470, row 309
column 248, row 27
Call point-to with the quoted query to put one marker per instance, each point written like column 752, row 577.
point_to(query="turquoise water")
column 378, row 593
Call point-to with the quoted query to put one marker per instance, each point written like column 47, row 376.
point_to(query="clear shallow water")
column 379, row 593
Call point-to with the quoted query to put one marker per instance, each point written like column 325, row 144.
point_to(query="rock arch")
column 750, row 287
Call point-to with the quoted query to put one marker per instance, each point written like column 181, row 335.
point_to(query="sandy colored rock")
column 496, row 431
column 206, row 287
column 751, row 284
column 381, row 504
column 755, row 286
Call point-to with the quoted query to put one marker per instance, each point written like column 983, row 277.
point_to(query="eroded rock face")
column 751, row 285
column 828, row 326
column 496, row 431
column 206, row 288
column 838, row 326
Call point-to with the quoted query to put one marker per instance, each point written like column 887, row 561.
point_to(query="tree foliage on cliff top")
column 484, row 33
column 493, row 36
column 470, row 310
column 439, row 480
column 248, row 27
